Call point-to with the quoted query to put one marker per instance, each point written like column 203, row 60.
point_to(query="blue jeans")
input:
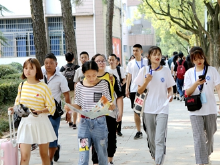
column 96, row 131
column 179, row 84
column 56, row 124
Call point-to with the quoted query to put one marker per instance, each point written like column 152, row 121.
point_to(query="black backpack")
column 69, row 73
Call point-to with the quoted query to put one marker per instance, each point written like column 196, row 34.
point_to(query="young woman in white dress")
column 35, row 128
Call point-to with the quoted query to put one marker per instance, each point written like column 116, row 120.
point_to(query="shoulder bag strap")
column 20, row 92
column 45, row 79
column 206, row 69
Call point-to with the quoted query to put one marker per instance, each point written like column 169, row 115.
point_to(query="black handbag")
column 194, row 102
column 58, row 112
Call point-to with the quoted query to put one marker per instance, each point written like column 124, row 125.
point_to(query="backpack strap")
column 119, row 72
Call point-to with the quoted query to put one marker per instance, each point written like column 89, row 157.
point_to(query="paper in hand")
column 100, row 109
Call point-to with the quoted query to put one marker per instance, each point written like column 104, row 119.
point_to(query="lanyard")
column 141, row 63
column 202, row 74
column 151, row 70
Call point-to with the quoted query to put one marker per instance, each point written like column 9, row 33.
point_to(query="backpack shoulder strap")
column 119, row 71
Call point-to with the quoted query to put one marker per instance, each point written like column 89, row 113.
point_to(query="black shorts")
column 132, row 97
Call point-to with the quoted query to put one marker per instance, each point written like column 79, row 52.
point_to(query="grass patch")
column 4, row 125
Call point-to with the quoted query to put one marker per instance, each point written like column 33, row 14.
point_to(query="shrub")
column 17, row 66
column 12, row 76
column 6, row 70
column 8, row 90
column 4, row 126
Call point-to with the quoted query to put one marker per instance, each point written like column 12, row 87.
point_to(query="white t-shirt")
column 157, row 90
column 133, row 69
column 79, row 76
column 212, row 79
column 114, row 72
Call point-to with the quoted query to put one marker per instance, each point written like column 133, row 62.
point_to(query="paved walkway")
column 180, row 149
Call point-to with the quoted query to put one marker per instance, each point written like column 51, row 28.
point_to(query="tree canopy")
column 186, row 19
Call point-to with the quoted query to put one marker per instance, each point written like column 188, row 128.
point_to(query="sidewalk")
column 180, row 149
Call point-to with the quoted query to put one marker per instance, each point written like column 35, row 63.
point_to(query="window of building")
column 19, row 35
column 20, row 39
column 125, row 48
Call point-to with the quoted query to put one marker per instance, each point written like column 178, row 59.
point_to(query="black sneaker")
column 70, row 124
column 119, row 134
column 174, row 97
column 51, row 163
column 57, row 154
column 74, row 126
column 177, row 98
column 33, row 147
column 138, row 135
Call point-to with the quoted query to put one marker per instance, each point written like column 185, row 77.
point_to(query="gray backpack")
column 69, row 73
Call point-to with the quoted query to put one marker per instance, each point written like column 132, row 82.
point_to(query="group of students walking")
column 95, row 80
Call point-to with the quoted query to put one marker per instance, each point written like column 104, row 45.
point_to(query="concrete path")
column 180, row 149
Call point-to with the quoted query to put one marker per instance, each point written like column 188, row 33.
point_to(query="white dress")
column 37, row 130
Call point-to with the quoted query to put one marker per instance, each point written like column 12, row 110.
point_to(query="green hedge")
column 12, row 76
column 8, row 90
column 17, row 66
column 6, row 70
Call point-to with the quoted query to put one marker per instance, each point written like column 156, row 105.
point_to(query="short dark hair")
column 137, row 46
column 113, row 55
column 89, row 65
column 84, row 52
column 180, row 55
column 33, row 61
column 197, row 51
column 174, row 53
column 151, row 51
column 118, row 58
column 51, row 56
column 132, row 56
column 69, row 56
column 96, row 55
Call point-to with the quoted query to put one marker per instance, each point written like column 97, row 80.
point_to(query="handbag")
column 58, row 112
column 20, row 109
column 139, row 100
column 194, row 102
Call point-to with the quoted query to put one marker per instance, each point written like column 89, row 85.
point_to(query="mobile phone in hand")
column 202, row 77
column 34, row 113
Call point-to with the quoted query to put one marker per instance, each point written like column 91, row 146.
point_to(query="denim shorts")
column 56, row 124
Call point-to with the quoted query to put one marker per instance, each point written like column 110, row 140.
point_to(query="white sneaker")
column 180, row 98
column 110, row 163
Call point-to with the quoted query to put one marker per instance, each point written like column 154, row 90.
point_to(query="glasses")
column 100, row 62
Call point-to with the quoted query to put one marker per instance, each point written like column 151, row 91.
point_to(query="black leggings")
column 111, row 124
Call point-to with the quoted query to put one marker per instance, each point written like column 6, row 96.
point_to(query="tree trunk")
column 109, row 22
column 40, row 42
column 68, row 27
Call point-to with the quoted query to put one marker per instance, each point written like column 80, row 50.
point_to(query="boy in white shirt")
column 119, row 73
column 133, row 68
column 84, row 56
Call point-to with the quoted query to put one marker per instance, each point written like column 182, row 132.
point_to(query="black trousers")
column 111, row 124
column 118, row 126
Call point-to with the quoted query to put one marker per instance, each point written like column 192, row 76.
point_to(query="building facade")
column 89, row 23
column 140, row 32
